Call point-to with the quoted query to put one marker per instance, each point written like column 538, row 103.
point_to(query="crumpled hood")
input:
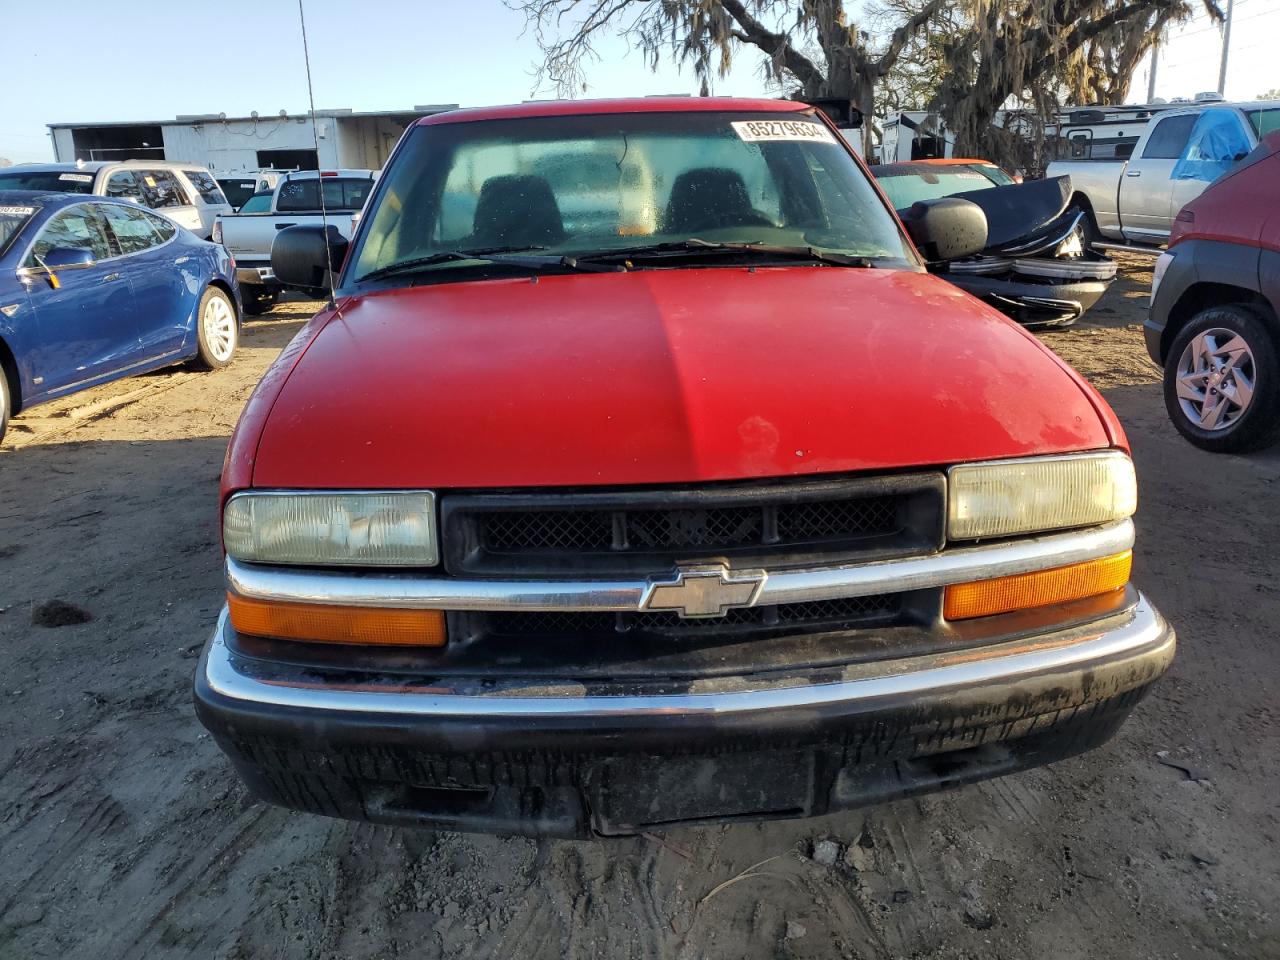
column 665, row 376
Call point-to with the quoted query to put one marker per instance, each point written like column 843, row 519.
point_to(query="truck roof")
column 312, row 174
column 90, row 166
column 562, row 108
column 94, row 166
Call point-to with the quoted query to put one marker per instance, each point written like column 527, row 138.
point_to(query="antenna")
column 315, row 137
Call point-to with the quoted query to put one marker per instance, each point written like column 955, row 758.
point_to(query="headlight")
column 343, row 529
column 1006, row 497
column 1073, row 246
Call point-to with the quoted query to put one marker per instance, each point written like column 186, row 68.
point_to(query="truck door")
column 1146, row 187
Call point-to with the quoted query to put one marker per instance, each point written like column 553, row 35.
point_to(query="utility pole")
column 1226, row 47
column 1151, row 81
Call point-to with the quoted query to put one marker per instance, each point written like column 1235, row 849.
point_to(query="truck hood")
column 665, row 376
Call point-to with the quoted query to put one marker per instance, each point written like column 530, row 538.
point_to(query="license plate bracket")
column 631, row 794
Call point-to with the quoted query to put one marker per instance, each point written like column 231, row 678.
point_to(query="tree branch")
column 1087, row 30
column 777, row 45
column 902, row 36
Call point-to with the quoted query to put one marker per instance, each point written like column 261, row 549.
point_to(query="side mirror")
column 68, row 258
column 300, row 256
column 841, row 112
column 946, row 229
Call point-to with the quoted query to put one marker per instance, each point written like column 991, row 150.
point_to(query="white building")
column 227, row 144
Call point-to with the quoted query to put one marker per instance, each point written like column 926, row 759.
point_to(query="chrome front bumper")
column 1140, row 632
column 563, row 760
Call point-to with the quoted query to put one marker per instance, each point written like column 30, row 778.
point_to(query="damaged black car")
column 1036, row 266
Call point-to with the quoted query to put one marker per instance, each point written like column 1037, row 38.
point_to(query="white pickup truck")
column 295, row 200
column 1134, row 201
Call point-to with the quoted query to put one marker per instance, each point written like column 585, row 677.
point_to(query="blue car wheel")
column 217, row 330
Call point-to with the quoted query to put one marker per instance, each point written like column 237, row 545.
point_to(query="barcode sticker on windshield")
column 756, row 130
column 77, row 177
column 16, row 211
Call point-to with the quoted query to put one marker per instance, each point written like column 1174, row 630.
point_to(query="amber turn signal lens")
column 983, row 598
column 322, row 623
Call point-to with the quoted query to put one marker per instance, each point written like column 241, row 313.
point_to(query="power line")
column 1217, row 28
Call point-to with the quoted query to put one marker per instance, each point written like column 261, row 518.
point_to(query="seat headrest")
column 705, row 195
column 517, row 211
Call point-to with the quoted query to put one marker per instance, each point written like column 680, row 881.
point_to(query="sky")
column 1189, row 60
column 235, row 56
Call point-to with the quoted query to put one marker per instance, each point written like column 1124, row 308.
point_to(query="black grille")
column 677, row 529
column 549, row 530
column 825, row 519
column 845, row 613
column 649, row 531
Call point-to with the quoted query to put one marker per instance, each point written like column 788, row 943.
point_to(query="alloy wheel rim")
column 1216, row 379
column 219, row 329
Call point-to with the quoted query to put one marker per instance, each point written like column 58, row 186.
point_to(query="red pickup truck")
column 640, row 474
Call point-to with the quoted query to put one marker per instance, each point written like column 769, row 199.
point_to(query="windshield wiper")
column 503, row 255
column 699, row 248
column 617, row 260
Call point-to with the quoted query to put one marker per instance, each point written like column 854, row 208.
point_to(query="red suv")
column 1215, row 309
column 640, row 474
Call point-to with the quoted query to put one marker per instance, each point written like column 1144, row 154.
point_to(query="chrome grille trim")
column 417, row 591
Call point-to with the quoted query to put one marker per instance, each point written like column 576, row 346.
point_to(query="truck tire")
column 255, row 304
column 1089, row 225
column 1222, row 380
column 217, row 330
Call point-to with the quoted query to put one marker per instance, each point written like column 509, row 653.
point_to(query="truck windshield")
column 582, row 185
column 237, row 190
column 51, row 181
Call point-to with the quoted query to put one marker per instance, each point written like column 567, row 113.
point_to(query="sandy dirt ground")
column 123, row 833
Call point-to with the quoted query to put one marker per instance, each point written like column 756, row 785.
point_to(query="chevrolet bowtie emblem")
column 704, row 590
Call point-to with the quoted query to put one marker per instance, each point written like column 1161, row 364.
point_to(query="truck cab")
column 1180, row 152
column 295, row 199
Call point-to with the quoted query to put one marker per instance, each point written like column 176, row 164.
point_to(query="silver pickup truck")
column 1134, row 201
column 295, row 200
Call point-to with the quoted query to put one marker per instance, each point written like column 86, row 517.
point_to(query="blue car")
column 93, row 289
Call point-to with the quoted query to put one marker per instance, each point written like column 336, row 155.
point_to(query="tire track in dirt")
column 54, row 423
column 208, row 865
